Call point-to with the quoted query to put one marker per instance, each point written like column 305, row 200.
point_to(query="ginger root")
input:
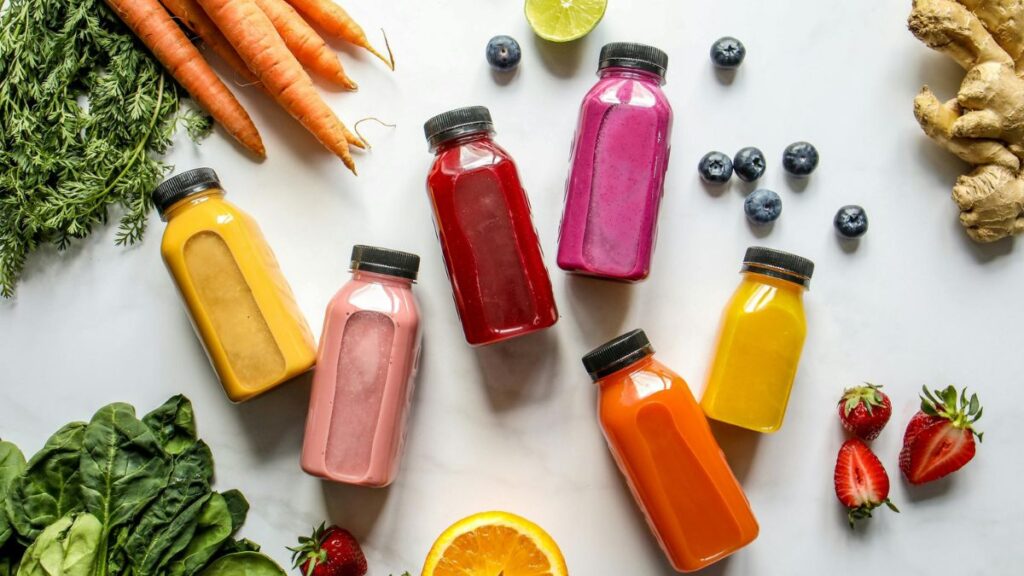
column 984, row 125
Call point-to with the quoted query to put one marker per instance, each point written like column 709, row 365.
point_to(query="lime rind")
column 564, row 20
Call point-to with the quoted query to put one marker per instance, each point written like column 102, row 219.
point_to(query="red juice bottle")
column 490, row 246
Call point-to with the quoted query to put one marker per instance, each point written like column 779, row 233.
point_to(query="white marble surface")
column 513, row 427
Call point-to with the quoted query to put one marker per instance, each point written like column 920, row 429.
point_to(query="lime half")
column 564, row 20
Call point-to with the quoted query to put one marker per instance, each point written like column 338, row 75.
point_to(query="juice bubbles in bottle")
column 366, row 366
column 490, row 246
column 238, row 300
column 618, row 164
column 759, row 342
column 663, row 445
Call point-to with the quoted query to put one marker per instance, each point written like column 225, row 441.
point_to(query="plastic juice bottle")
column 760, row 341
column 663, row 445
column 488, row 240
column 238, row 300
column 365, row 370
column 618, row 165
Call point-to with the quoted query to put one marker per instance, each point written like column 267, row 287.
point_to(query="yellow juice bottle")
column 239, row 302
column 760, row 341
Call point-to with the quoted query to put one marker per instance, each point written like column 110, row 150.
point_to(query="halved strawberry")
column 864, row 411
column 940, row 437
column 861, row 482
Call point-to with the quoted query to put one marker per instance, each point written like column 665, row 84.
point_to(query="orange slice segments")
column 495, row 544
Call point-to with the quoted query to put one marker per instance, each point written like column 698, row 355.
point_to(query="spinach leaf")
column 151, row 534
column 238, row 507
column 232, row 546
column 49, row 487
column 212, row 529
column 243, row 564
column 122, row 469
column 173, row 424
column 12, row 463
column 68, row 547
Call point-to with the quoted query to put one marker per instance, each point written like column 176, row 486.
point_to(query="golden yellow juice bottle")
column 759, row 343
column 238, row 300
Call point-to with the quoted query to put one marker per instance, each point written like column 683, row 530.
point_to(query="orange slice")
column 495, row 544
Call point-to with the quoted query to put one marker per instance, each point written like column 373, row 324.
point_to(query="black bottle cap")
column 778, row 264
column 631, row 55
column 384, row 261
column 455, row 123
column 182, row 186
column 615, row 355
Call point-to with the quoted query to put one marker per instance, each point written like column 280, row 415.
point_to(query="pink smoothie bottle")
column 618, row 164
column 365, row 368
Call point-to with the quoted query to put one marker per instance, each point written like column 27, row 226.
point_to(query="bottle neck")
column 462, row 139
column 632, row 73
column 378, row 278
column 780, row 283
column 190, row 201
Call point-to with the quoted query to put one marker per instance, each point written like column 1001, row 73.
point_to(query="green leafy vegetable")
column 84, row 112
column 122, row 467
column 126, row 497
column 169, row 514
column 238, row 507
column 243, row 564
column 68, row 547
column 173, row 424
column 49, row 487
column 12, row 464
column 213, row 528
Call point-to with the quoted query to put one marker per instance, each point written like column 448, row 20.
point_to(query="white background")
column 513, row 427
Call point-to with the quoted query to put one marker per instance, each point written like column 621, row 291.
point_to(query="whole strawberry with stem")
column 861, row 481
column 940, row 438
column 864, row 411
column 329, row 551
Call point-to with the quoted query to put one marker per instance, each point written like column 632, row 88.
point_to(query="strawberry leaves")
column 961, row 410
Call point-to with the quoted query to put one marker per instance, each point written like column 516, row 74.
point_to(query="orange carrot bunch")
column 266, row 42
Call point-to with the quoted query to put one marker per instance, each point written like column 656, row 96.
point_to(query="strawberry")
column 861, row 482
column 864, row 411
column 329, row 552
column 940, row 437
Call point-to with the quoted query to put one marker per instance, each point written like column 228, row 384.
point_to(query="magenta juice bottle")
column 618, row 164
column 366, row 365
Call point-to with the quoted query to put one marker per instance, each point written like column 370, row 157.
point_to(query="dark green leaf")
column 189, row 482
column 173, row 424
column 12, row 464
column 238, row 507
column 213, row 528
column 122, row 467
column 243, row 564
column 232, row 546
column 49, row 487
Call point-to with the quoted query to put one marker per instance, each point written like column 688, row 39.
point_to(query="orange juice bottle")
column 760, row 341
column 239, row 302
column 663, row 445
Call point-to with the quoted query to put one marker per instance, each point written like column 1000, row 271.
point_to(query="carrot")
column 253, row 35
column 305, row 43
column 154, row 27
column 191, row 15
column 336, row 21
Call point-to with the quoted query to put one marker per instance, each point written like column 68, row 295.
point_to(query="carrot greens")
column 85, row 113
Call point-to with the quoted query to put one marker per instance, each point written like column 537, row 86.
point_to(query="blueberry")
column 728, row 52
column 749, row 164
column 800, row 159
column 715, row 168
column 763, row 206
column 503, row 53
column 851, row 221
